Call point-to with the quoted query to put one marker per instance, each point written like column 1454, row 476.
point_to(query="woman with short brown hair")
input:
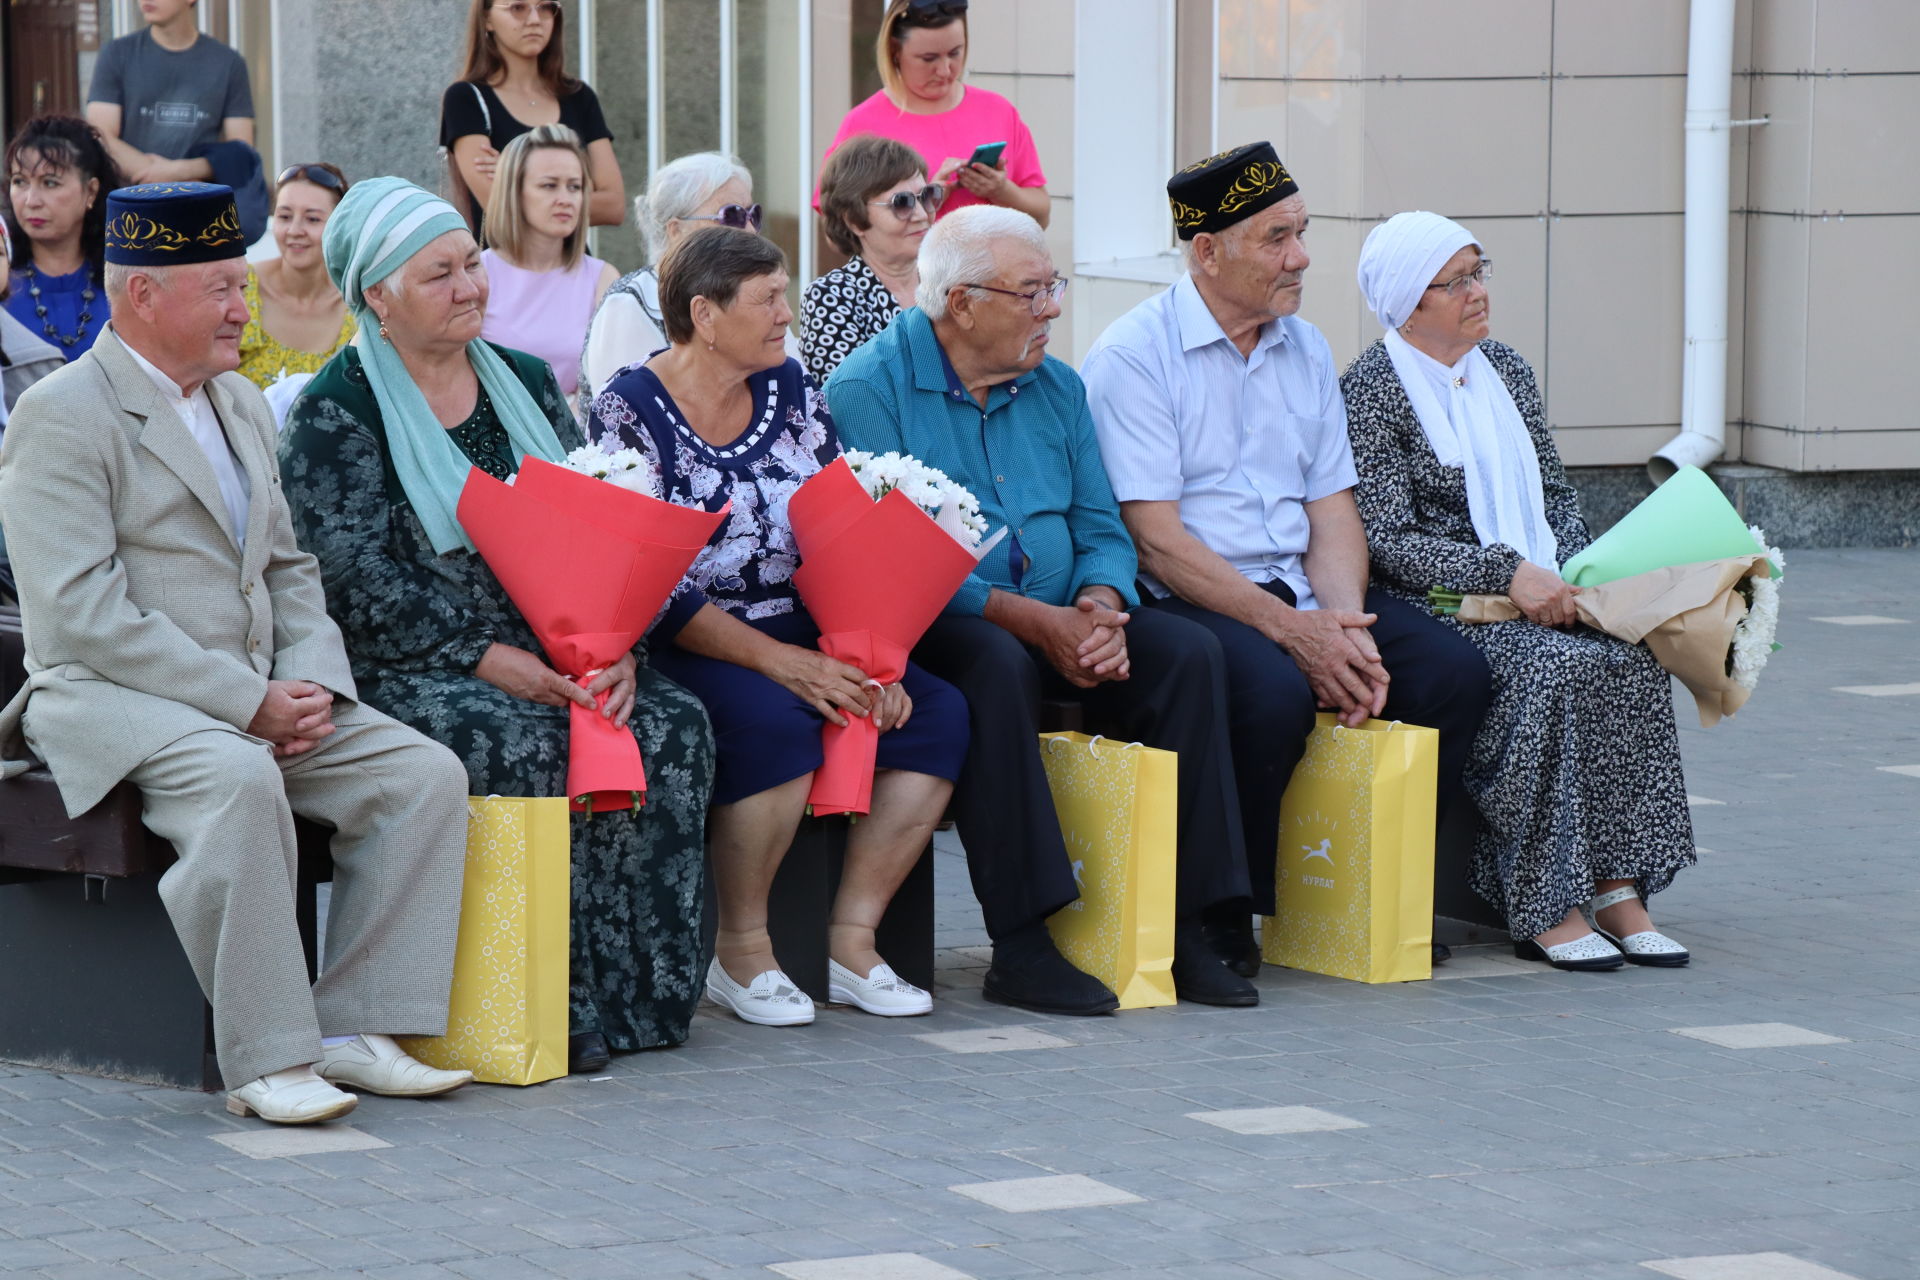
column 877, row 205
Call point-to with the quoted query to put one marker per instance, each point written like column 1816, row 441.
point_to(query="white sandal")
column 1649, row 946
column 772, row 999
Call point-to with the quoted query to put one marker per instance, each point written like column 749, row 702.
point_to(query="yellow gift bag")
column 508, row 1019
column 1354, row 870
column 1116, row 805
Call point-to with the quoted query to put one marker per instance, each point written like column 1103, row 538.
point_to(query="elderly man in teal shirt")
column 963, row 382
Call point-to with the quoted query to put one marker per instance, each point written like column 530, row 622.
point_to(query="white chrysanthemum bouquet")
column 951, row 505
column 1753, row 635
column 630, row 469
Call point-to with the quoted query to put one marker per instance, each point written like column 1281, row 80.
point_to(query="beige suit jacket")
column 145, row 619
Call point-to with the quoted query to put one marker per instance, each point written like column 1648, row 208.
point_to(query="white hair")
column 118, row 277
column 959, row 250
column 679, row 189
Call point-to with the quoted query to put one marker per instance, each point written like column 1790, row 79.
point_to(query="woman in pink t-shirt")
column 927, row 104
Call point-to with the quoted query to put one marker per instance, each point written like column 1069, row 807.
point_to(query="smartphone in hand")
column 988, row 154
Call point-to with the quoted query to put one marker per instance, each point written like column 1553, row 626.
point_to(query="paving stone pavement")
column 1511, row 1122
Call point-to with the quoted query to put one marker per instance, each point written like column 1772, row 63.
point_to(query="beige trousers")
column 397, row 803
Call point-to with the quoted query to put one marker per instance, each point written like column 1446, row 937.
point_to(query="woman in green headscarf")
column 373, row 460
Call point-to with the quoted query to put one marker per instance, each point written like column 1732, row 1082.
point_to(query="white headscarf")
column 1465, row 409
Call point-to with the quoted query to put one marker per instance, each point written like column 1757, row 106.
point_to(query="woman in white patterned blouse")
column 876, row 204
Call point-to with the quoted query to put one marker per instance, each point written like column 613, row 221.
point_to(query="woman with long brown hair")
column 515, row 79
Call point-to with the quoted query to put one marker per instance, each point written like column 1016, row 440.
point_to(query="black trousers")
column 1438, row 679
column 1172, row 700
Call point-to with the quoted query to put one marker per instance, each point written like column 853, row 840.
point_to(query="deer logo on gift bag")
column 1367, row 913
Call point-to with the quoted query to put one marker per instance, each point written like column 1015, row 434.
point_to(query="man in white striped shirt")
column 1225, row 438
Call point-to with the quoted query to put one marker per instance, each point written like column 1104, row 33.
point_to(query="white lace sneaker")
column 882, row 991
column 293, row 1096
column 375, row 1064
column 772, row 999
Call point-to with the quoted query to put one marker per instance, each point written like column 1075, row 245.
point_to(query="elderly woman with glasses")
column 724, row 417
column 705, row 189
column 876, row 205
column 1576, row 768
column 298, row 318
column 374, row 458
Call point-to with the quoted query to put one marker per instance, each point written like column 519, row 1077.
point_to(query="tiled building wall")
column 1023, row 50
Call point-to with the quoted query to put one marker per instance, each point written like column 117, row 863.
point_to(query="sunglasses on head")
column 929, row 197
column 937, row 8
column 316, row 174
column 747, row 217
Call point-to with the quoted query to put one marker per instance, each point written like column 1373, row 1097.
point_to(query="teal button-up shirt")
column 1030, row 457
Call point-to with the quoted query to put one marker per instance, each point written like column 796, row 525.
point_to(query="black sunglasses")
column 318, row 176
column 746, row 217
column 937, row 8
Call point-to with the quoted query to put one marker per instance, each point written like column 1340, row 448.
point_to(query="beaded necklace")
column 87, row 296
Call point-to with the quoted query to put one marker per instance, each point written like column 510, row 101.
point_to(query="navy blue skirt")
column 766, row 735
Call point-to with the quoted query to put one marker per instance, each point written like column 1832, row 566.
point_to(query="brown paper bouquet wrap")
column 1686, row 614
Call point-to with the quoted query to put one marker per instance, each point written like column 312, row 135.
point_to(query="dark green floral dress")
column 416, row 625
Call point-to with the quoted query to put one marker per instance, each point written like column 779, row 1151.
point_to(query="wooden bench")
column 95, row 978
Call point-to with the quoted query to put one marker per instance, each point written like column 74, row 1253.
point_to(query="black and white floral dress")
column 1576, row 770
column 841, row 312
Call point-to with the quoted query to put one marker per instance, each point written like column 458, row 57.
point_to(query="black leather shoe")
column 1234, row 944
column 1201, row 976
column 1442, row 953
column 587, row 1052
column 1032, row 974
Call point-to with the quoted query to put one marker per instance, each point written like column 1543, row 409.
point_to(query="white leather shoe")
column 1649, row 946
column 1589, row 953
column 293, row 1096
column 882, row 991
column 772, row 999
column 375, row 1064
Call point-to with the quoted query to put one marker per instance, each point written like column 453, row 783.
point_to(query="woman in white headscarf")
column 1576, row 770
column 374, row 456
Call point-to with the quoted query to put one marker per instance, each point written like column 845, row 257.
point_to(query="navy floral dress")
column 765, row 733
column 1576, row 768
column 416, row 624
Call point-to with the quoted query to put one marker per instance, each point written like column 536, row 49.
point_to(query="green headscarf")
column 378, row 225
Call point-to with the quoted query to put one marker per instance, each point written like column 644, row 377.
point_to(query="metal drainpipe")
column 1703, row 386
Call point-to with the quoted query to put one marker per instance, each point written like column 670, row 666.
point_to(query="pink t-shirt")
column 543, row 313
column 982, row 116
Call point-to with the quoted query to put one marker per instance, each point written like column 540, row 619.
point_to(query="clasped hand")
column 1087, row 644
column 294, row 716
column 1336, row 653
column 525, row 676
column 982, row 180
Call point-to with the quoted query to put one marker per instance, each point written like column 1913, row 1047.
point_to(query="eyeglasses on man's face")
column 746, row 217
column 1039, row 299
column 528, row 10
column 1479, row 275
column 929, row 197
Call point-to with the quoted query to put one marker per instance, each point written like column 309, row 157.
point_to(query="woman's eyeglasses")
column 929, row 197
column 318, row 175
column 1039, row 299
column 747, row 217
column 527, row 10
column 1479, row 275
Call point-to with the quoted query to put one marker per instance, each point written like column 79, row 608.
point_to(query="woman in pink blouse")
column 927, row 104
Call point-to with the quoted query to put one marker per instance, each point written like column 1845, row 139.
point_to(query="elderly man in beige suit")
column 177, row 637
